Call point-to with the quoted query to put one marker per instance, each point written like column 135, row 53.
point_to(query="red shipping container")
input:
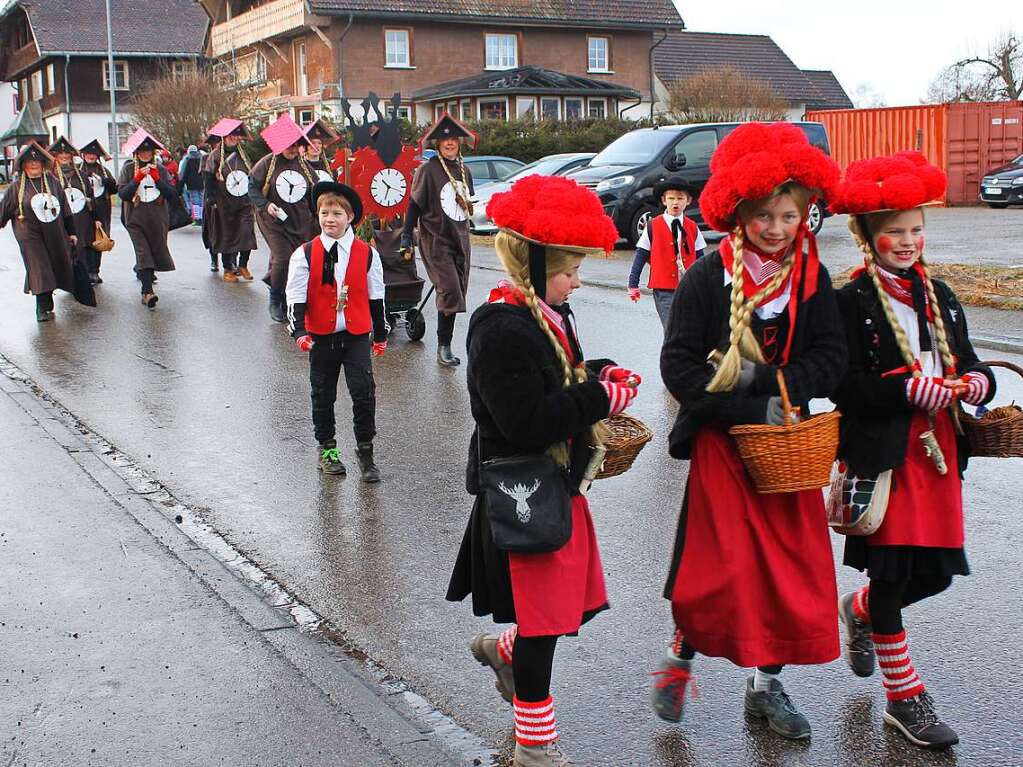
column 964, row 140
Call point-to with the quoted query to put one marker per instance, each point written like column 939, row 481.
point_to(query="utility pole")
column 115, row 138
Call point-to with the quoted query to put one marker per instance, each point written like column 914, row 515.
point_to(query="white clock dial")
column 450, row 204
column 291, row 186
column 46, row 207
column 388, row 187
column 75, row 199
column 322, row 175
column 237, row 183
column 147, row 189
column 96, row 181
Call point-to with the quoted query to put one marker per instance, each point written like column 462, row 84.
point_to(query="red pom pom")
column 902, row 181
column 903, row 191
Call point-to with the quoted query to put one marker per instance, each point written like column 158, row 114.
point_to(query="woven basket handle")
column 786, row 403
column 1000, row 364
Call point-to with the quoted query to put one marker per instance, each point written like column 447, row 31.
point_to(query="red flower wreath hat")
column 902, row 181
column 556, row 212
column 756, row 158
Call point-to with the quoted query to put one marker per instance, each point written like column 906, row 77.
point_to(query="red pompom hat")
column 901, row 181
column 756, row 158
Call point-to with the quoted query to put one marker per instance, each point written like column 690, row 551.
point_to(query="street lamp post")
column 115, row 138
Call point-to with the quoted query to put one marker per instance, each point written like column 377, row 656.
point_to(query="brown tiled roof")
column 832, row 94
column 139, row 26
column 686, row 53
column 605, row 13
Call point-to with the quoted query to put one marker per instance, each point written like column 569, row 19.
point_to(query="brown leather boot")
column 149, row 299
column 244, row 273
column 230, row 276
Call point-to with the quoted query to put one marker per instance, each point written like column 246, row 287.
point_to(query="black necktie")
column 676, row 233
column 329, row 260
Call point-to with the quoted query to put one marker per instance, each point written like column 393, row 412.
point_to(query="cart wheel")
column 415, row 324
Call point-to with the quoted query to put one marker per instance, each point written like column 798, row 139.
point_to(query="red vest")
column 664, row 272
column 321, row 300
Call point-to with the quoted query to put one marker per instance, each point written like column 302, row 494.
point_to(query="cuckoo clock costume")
column 440, row 207
column 36, row 208
column 910, row 361
column 739, row 585
column 146, row 191
column 101, row 185
column 320, row 137
column 226, row 173
column 77, row 194
column 522, row 351
column 280, row 186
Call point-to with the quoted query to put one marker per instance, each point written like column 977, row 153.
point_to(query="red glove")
column 616, row 374
column 634, row 294
column 930, row 394
column 154, row 173
column 619, row 396
column 304, row 343
column 139, row 175
column 977, row 386
column 379, row 347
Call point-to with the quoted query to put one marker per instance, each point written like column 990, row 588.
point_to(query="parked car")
column 551, row 165
column 1003, row 186
column 485, row 168
column 624, row 174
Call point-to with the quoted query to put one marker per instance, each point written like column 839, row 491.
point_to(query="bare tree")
column 997, row 76
column 179, row 110
column 866, row 96
column 723, row 94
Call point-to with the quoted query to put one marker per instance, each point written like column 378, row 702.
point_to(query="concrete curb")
column 398, row 720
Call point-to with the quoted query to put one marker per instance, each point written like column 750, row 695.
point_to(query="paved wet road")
column 213, row 399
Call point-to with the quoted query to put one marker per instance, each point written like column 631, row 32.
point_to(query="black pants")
column 93, row 259
column 532, row 664
column 445, row 328
column 44, row 301
column 230, row 261
column 243, row 258
column 146, row 277
column 328, row 355
column 887, row 598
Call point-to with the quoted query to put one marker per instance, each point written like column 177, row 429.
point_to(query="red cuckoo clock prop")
column 381, row 167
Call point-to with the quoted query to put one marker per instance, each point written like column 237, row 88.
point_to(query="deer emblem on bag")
column 521, row 494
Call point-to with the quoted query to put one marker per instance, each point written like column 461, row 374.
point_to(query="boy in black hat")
column 671, row 243
column 335, row 295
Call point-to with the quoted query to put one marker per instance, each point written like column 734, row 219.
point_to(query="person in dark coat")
column 42, row 227
column 752, row 577
column 320, row 136
column 530, row 391
column 911, row 361
column 77, row 196
column 226, row 171
column 102, row 185
column 440, row 207
column 146, row 191
column 280, row 186
column 208, row 223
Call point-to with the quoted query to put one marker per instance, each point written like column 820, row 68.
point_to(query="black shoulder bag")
column 527, row 501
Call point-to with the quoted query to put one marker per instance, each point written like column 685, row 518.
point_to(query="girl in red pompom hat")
column 752, row 578
column 910, row 361
column 538, row 402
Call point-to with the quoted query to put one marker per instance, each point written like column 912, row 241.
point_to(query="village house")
column 496, row 59
column 55, row 52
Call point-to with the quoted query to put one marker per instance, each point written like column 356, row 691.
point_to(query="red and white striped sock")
column 676, row 643
column 535, row 724
column 861, row 604
column 506, row 644
column 900, row 678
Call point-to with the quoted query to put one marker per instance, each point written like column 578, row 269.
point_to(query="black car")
column 1003, row 186
column 624, row 174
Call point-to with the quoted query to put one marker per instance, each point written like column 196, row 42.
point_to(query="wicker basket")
column 102, row 243
column 997, row 437
column 790, row 457
column 628, row 436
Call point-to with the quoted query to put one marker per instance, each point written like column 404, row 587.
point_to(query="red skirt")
column 554, row 591
column 756, row 579
column 925, row 508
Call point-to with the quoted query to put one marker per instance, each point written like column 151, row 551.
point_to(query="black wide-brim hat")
column 61, row 145
column 675, row 183
column 32, row 151
column 96, row 148
column 334, row 187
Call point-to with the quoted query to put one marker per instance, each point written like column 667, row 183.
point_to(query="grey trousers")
column 662, row 300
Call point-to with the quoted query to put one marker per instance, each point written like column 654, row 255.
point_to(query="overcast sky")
column 894, row 46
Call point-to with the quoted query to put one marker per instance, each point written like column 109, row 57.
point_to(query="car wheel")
column 639, row 224
column 998, row 205
column 815, row 217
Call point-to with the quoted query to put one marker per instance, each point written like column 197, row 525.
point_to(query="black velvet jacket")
column 516, row 394
column 699, row 324
column 875, row 412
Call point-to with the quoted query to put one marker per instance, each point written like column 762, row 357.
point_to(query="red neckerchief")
column 762, row 266
column 901, row 288
column 507, row 293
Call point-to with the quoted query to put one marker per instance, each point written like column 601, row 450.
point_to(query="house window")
column 23, row 94
column 502, row 51
column 550, row 108
column 438, row 111
column 598, row 54
column 51, row 79
column 302, row 78
column 305, row 116
column 37, row 84
column 182, row 70
column 120, row 75
column 525, row 107
column 597, row 108
column 404, row 113
column 397, row 48
column 573, row 109
column 466, row 109
column 493, row 109
column 251, row 70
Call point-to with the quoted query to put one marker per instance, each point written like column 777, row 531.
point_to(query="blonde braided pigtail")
column 940, row 335
column 307, row 171
column 245, row 159
column 21, row 196
column 269, row 174
column 220, row 164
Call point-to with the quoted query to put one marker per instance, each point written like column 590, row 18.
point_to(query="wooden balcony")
column 18, row 60
column 265, row 22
